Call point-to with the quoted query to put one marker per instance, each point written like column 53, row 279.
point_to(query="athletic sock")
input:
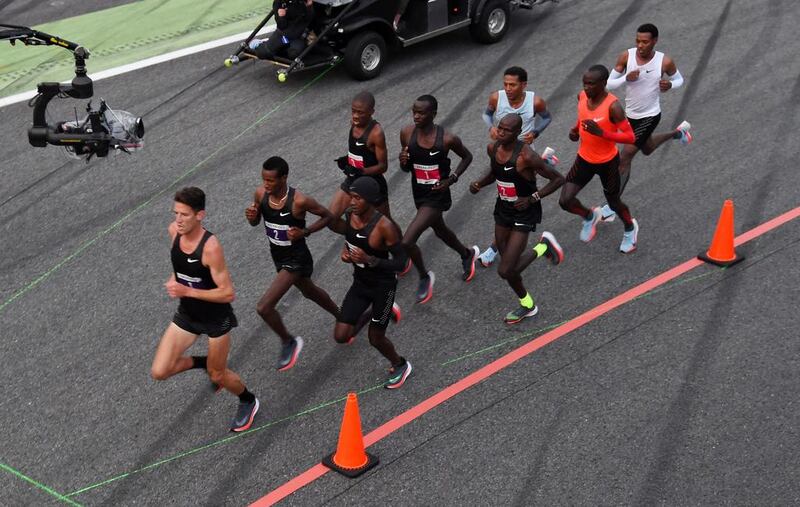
column 540, row 249
column 246, row 396
column 527, row 301
column 199, row 362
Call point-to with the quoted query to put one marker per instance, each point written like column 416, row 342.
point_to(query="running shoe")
column 289, row 353
column 607, row 214
column 396, row 313
column 406, row 269
column 549, row 156
column 521, row 313
column 488, row 256
column 683, row 130
column 245, row 415
column 629, row 239
column 398, row 375
column 468, row 264
column 554, row 251
column 425, row 290
column 589, row 228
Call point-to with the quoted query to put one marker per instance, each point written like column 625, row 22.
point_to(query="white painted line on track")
column 147, row 62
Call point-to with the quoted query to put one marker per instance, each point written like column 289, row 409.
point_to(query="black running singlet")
column 359, row 155
column 189, row 271
column 510, row 184
column 428, row 167
column 360, row 238
column 277, row 223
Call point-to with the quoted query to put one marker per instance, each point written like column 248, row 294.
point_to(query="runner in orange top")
column 601, row 124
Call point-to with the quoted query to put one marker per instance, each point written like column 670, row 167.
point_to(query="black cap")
column 368, row 189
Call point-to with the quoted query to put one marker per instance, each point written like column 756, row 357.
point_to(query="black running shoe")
column 468, row 264
column 520, row 313
column 289, row 353
column 245, row 415
column 425, row 290
column 398, row 376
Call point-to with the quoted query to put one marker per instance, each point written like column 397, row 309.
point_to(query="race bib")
column 350, row 248
column 426, row 174
column 506, row 191
column 278, row 234
column 356, row 161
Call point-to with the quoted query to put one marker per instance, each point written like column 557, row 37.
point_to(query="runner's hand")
column 251, row 212
column 573, row 134
column 176, row 290
column 632, row 75
column 403, row 157
column 442, row 185
column 528, row 138
column 592, row 127
column 665, row 85
column 295, row 233
column 474, row 187
column 522, row 204
column 493, row 133
column 358, row 255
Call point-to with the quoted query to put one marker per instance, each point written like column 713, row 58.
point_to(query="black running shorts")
column 582, row 173
column 505, row 215
column 643, row 128
column 298, row 261
column 360, row 296
column 214, row 329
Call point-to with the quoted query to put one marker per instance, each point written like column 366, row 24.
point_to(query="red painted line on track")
column 495, row 366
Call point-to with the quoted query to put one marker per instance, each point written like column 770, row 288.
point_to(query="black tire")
column 365, row 55
column 493, row 22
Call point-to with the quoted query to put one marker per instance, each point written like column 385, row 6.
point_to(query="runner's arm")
column 377, row 141
column 617, row 77
column 488, row 115
column 674, row 78
column 254, row 219
column 457, row 147
column 308, row 204
column 542, row 117
column 390, row 234
column 624, row 133
column 556, row 180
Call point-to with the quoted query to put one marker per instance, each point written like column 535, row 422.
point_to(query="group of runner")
column 373, row 242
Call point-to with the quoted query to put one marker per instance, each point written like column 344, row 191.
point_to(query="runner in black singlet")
column 201, row 280
column 425, row 155
column 514, row 166
column 283, row 209
column 372, row 245
column 366, row 155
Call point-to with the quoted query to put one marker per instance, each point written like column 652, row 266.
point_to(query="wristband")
column 535, row 197
column 454, row 177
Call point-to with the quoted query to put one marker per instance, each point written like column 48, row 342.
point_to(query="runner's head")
column 189, row 209
column 364, row 194
column 594, row 81
column 646, row 38
column 515, row 80
column 424, row 110
column 509, row 128
column 362, row 108
column 274, row 172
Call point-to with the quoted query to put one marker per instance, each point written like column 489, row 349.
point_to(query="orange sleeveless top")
column 595, row 149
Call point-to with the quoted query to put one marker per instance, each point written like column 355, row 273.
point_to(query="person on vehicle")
column 292, row 18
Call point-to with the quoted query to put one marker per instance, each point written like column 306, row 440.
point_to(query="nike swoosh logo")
column 508, row 168
column 360, row 144
column 376, row 320
column 598, row 119
column 193, row 260
column 521, row 225
column 360, row 236
column 284, row 214
column 433, row 153
column 648, row 71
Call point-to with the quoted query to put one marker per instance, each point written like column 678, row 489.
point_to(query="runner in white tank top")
column 645, row 73
column 515, row 98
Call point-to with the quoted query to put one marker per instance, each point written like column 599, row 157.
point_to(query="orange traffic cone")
column 721, row 251
column 350, row 459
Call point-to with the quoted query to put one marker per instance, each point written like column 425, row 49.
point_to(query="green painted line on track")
column 123, row 35
column 338, row 400
column 50, row 491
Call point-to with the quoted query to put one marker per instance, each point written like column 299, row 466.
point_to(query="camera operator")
column 292, row 17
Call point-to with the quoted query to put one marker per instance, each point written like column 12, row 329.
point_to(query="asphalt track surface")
column 687, row 395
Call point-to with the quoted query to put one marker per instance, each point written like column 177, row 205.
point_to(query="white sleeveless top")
column 525, row 111
column 642, row 97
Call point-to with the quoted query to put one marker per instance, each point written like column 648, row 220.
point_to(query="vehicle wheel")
column 365, row 55
column 493, row 22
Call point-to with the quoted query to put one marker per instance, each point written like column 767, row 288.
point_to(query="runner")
column 366, row 155
column 601, row 124
column 513, row 166
column 284, row 211
column 515, row 98
column 645, row 73
column 425, row 149
column 372, row 245
column 201, row 280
